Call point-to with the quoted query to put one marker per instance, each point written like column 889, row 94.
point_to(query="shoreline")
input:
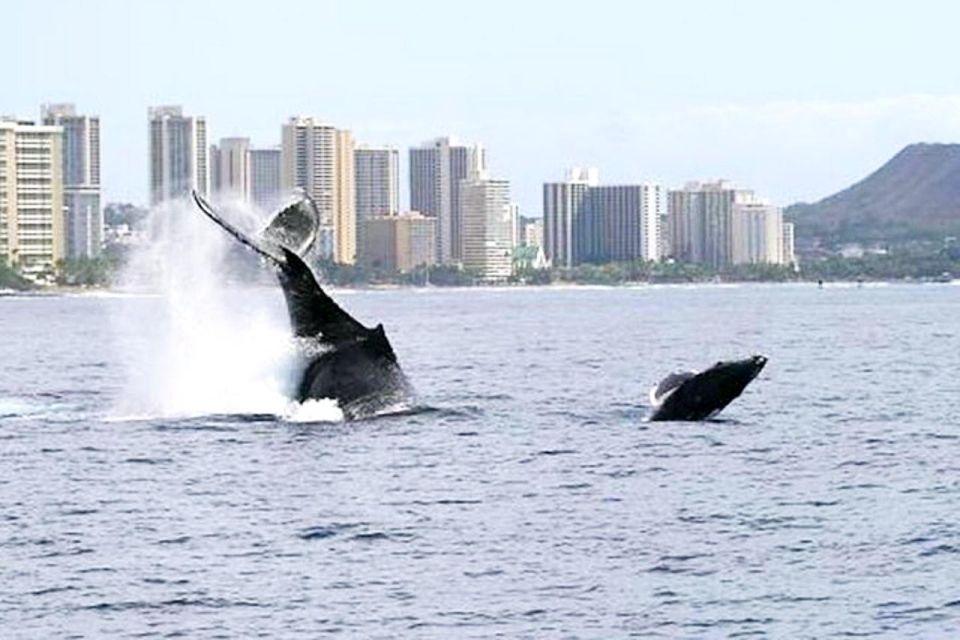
column 62, row 291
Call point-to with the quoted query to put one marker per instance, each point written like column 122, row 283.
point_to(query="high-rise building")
column 562, row 206
column 666, row 249
column 81, row 179
column 757, row 234
column 178, row 154
column 32, row 234
column 230, row 168
column 400, row 242
column 487, row 227
column 586, row 222
column 716, row 224
column 318, row 158
column 653, row 211
column 345, row 217
column 619, row 223
column 377, row 178
column 516, row 236
column 265, row 190
column 437, row 169
column 789, row 255
column 700, row 218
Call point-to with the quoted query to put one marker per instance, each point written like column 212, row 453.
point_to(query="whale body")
column 691, row 396
column 342, row 359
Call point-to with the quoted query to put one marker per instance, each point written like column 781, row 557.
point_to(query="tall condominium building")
column 487, row 227
column 377, row 177
column 586, row 222
column 178, row 154
column 666, row 250
column 789, row 255
column 437, row 169
column 562, row 206
column 619, row 223
column 230, row 168
column 265, row 190
column 318, row 158
column 81, row 179
column 400, row 242
column 757, row 234
column 700, row 219
column 32, row 234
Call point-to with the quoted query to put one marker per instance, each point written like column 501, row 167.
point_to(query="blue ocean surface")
column 153, row 484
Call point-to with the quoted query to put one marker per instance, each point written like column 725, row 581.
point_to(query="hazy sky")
column 794, row 99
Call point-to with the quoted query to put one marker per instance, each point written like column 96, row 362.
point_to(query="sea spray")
column 323, row 410
column 206, row 343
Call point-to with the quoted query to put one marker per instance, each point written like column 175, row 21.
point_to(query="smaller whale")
column 693, row 396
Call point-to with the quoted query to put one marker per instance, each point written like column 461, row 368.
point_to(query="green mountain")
column 914, row 196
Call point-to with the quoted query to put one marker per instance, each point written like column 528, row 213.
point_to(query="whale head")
column 727, row 379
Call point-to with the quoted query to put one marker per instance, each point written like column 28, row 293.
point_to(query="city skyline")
column 476, row 223
column 800, row 111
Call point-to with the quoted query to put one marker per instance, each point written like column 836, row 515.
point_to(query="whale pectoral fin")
column 668, row 385
column 312, row 312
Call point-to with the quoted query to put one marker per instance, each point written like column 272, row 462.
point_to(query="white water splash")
column 209, row 342
column 324, row 410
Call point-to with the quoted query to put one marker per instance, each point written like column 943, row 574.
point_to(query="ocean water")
column 154, row 482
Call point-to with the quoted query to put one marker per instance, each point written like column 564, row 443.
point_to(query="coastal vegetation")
column 905, row 263
column 86, row 272
column 10, row 278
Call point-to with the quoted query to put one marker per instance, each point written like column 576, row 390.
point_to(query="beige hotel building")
column 32, row 234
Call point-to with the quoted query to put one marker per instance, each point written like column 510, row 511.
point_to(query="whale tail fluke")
column 313, row 313
column 260, row 248
column 294, row 227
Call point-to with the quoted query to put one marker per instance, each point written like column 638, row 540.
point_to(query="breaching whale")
column 343, row 360
column 697, row 396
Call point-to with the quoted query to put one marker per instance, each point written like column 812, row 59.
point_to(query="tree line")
column 896, row 265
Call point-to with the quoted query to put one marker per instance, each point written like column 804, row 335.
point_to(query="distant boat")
column 944, row 278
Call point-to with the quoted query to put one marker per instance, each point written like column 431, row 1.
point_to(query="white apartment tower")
column 32, row 234
column 789, row 255
column 700, row 219
column 317, row 158
column 487, row 227
column 437, row 169
column 81, row 179
column 653, row 210
column 716, row 224
column 516, row 221
column 377, row 178
column 178, row 154
column 757, row 234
